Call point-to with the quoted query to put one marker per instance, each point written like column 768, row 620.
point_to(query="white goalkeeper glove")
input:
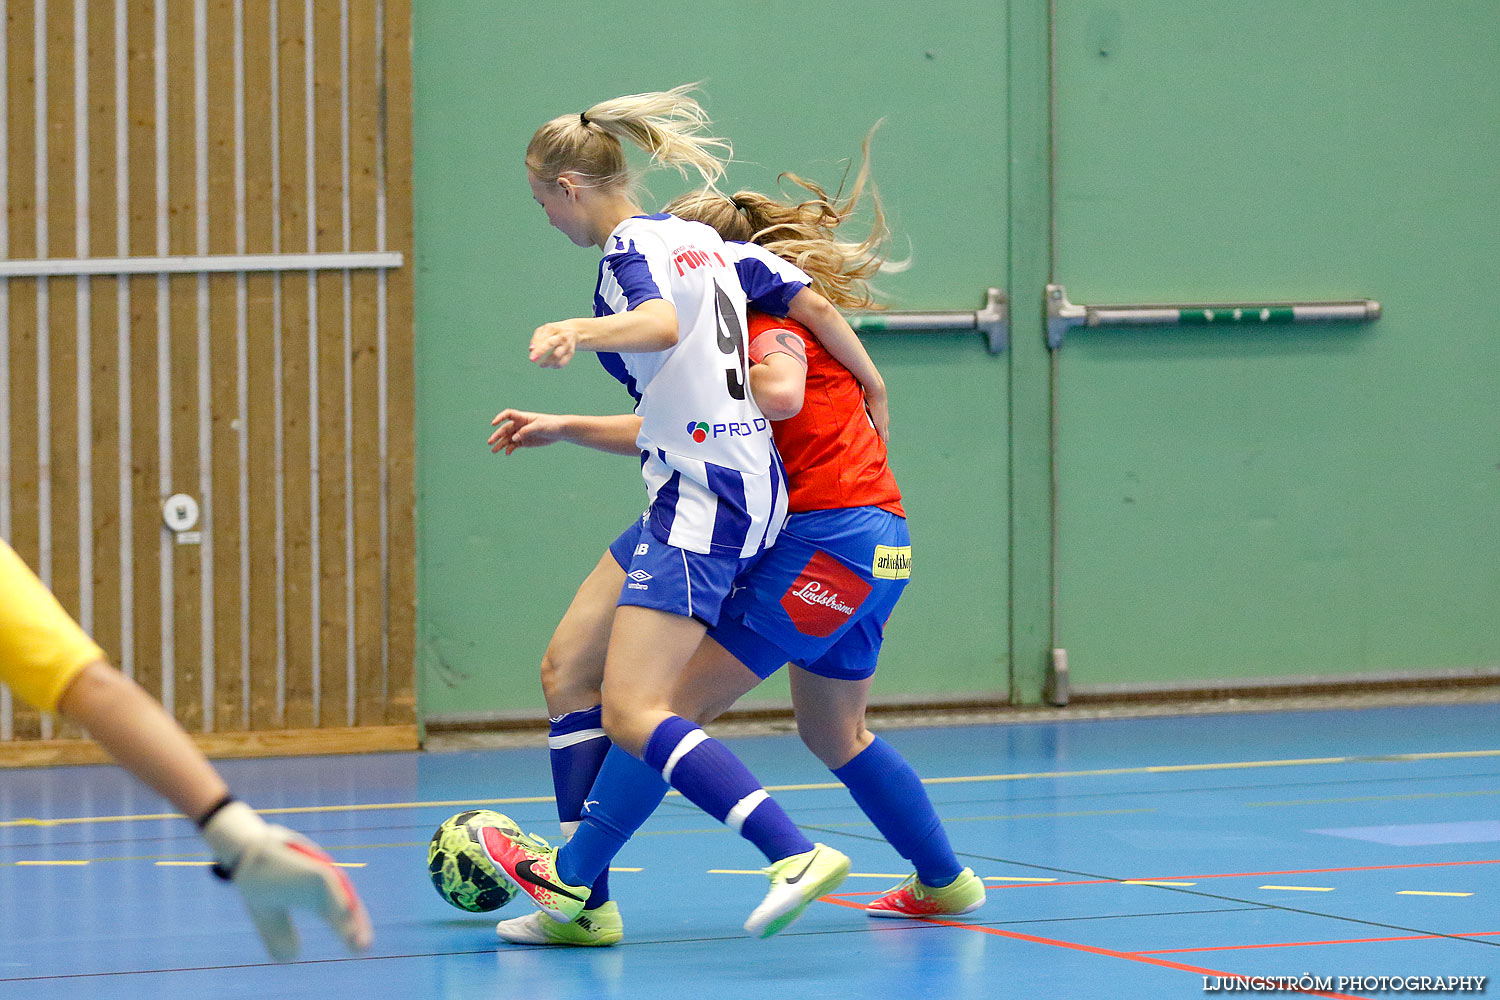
column 277, row 870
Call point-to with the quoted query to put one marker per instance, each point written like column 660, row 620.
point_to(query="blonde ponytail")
column 670, row 125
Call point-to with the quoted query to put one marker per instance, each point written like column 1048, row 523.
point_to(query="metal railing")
column 1062, row 314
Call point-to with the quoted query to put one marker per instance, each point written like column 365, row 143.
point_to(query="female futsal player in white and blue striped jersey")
column 670, row 323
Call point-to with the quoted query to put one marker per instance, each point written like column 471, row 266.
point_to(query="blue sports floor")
column 1126, row 858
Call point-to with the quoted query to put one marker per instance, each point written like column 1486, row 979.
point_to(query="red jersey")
column 832, row 454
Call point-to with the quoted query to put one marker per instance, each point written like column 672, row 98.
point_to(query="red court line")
column 1308, row 944
column 1178, row 878
column 1141, row 957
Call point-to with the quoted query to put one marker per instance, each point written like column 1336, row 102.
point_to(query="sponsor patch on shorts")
column 892, row 562
column 824, row 596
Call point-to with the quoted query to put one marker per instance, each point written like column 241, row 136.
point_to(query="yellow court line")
column 289, row 810
column 613, row 869
column 1014, row 878
column 1418, row 892
column 183, row 864
column 875, row 875
column 820, row 786
column 1300, row 888
column 350, row 864
column 1137, row 881
column 47, row 863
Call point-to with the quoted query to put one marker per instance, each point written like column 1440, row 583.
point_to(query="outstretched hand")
column 277, row 870
column 522, row 429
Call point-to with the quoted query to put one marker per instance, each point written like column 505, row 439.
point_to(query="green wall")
column 1306, row 501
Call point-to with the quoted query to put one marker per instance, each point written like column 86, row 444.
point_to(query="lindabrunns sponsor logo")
column 892, row 562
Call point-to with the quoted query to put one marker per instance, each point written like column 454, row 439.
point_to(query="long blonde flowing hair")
column 805, row 232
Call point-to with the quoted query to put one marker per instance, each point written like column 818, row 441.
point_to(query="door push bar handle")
column 993, row 321
column 1062, row 314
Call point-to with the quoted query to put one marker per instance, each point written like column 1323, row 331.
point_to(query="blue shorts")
column 667, row 578
column 820, row 596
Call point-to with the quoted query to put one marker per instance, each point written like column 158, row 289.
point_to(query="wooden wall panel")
column 304, row 633
column 401, row 364
column 21, row 117
column 187, row 560
column 364, row 387
column 332, row 488
column 144, row 293
column 225, row 426
column 104, row 338
column 262, row 394
column 263, row 317
column 62, row 322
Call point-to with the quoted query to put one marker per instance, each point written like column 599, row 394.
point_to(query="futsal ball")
column 461, row 871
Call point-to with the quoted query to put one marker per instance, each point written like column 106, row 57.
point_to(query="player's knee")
column 835, row 746
column 629, row 724
column 566, row 678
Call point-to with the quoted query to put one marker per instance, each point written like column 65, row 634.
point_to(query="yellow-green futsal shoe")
column 795, row 882
column 596, row 928
column 911, row 898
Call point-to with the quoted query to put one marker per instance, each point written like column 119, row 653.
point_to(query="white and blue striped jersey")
column 712, row 474
column 770, row 282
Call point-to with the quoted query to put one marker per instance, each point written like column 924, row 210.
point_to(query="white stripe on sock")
column 570, row 739
column 569, row 827
column 743, row 808
column 683, row 748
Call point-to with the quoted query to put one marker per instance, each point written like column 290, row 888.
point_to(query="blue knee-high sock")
column 890, row 793
column 623, row 797
column 714, row 780
column 577, row 746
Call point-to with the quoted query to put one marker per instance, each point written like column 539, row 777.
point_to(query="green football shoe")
column 596, row 928
column 795, row 882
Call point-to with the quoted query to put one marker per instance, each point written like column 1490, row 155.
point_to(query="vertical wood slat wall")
column 280, row 399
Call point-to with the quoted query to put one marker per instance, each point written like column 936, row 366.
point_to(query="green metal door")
column 1282, row 503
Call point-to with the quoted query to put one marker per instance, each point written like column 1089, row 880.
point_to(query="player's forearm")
column 614, row 434
column 650, row 326
column 837, row 337
column 136, row 731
